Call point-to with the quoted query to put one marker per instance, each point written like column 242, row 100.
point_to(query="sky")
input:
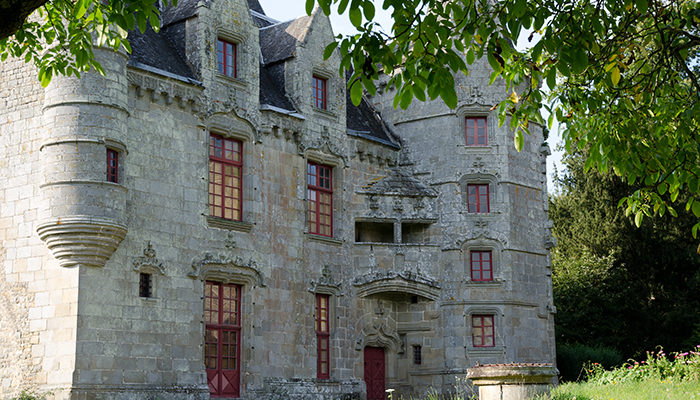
column 284, row 10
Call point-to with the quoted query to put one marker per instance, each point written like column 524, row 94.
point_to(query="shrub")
column 571, row 358
column 30, row 395
column 677, row 367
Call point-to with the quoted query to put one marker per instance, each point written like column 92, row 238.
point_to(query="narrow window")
column 478, row 198
column 222, row 340
column 112, row 166
column 481, row 265
column 417, row 356
column 475, row 131
column 320, row 199
column 145, row 285
column 225, row 177
column 482, row 331
column 226, row 58
column 323, row 336
column 319, row 86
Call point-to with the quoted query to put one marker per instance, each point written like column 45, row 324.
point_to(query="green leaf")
column 356, row 93
column 638, row 218
column 696, row 208
column 355, row 17
column 449, row 96
column 310, row 6
column 470, row 56
column 580, row 61
column 368, row 8
column 45, row 78
column 79, row 9
column 329, row 50
column 642, row 5
column 615, row 76
column 662, row 188
column 342, row 5
column 518, row 140
column 406, row 96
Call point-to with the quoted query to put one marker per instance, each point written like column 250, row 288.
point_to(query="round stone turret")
column 84, row 199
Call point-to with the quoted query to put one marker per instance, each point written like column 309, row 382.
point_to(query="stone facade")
column 396, row 269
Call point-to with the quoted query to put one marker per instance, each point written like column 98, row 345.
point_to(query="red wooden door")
column 375, row 378
column 223, row 339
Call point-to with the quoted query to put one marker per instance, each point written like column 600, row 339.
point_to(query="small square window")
column 481, row 265
column 483, row 331
column 145, row 285
column 320, row 86
column 112, row 166
column 475, row 131
column 417, row 354
column 226, row 53
column 478, row 198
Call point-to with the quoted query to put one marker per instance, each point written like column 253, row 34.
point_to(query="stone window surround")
column 331, row 110
column 498, row 318
column 336, row 163
column 480, row 179
column 483, row 244
column 219, row 128
column 477, row 207
column 476, row 110
column 238, row 40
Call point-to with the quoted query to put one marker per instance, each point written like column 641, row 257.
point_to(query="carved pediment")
column 415, row 283
column 325, row 284
column 148, row 262
column 227, row 269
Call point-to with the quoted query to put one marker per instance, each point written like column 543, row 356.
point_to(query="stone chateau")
column 214, row 218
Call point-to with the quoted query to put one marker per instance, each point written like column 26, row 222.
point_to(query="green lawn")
column 645, row 390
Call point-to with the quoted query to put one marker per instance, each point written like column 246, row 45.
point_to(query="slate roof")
column 156, row 51
column 164, row 53
column 399, row 183
column 279, row 42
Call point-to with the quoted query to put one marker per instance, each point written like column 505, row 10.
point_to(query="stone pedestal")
column 512, row 381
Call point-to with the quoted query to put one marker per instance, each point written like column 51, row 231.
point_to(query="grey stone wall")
column 73, row 322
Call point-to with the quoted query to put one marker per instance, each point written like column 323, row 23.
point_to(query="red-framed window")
column 222, row 340
column 320, row 87
column 320, row 199
column 226, row 53
column 112, row 166
column 475, row 131
column 481, row 265
column 323, row 336
column 482, row 331
column 225, row 177
column 478, row 198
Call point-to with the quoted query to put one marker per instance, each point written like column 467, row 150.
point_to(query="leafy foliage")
column 60, row 36
column 616, row 285
column 623, row 76
column 573, row 358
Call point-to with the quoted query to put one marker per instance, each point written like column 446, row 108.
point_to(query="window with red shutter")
column 320, row 199
column 475, row 131
column 320, row 86
column 323, row 330
column 222, row 340
column 225, row 177
column 226, row 53
column 481, row 265
column 483, row 331
column 478, row 198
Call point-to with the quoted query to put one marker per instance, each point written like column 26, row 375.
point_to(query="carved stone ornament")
column 377, row 331
column 82, row 240
column 325, row 284
column 227, row 269
column 323, row 144
column 481, row 231
column 149, row 262
column 406, row 281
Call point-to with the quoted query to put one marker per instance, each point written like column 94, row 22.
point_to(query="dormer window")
column 320, row 88
column 227, row 58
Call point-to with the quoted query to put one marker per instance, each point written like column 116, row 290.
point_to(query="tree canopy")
column 617, row 285
column 621, row 76
column 60, row 36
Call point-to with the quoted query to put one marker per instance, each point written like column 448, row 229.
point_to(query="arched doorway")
column 375, row 373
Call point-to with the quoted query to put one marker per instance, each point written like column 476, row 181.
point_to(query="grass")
column 660, row 376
